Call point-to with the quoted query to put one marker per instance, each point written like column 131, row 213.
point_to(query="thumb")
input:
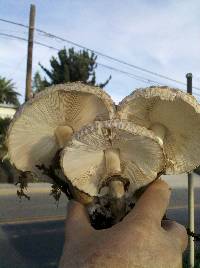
column 77, row 221
column 177, row 232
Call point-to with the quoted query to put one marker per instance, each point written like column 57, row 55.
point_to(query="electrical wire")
column 24, row 39
column 134, row 76
column 50, row 35
column 14, row 23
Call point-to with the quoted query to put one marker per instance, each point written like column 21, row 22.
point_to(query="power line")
column 98, row 53
column 14, row 36
column 14, row 31
column 14, row 23
column 111, row 58
column 24, row 39
column 136, row 77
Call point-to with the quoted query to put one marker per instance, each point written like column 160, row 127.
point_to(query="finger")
column 77, row 221
column 152, row 204
column 177, row 232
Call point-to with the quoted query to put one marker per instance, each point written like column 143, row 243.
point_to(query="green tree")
column 5, row 165
column 69, row 66
column 7, row 93
column 4, row 124
column 38, row 83
column 7, row 171
column 7, row 96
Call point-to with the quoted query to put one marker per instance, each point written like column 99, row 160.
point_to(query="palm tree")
column 7, row 96
column 7, row 93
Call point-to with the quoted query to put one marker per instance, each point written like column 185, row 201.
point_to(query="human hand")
column 140, row 240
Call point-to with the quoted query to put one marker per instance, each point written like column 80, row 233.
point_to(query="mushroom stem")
column 159, row 131
column 117, row 201
column 63, row 134
column 113, row 167
column 112, row 162
column 116, row 189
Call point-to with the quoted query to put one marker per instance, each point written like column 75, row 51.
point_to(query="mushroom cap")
column 83, row 161
column 178, row 113
column 31, row 138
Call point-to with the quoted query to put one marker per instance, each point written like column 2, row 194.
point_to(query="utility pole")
column 30, row 53
column 190, row 194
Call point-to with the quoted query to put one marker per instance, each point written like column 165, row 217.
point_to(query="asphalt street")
column 32, row 232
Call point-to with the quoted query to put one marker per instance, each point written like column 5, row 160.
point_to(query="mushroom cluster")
column 103, row 153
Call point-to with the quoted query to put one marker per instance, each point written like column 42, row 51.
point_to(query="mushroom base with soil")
column 108, row 161
column 104, row 211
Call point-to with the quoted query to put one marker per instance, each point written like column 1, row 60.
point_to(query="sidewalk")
column 175, row 181
column 10, row 189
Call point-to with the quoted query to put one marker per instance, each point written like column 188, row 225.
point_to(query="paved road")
column 43, row 205
column 31, row 232
column 39, row 244
column 32, row 245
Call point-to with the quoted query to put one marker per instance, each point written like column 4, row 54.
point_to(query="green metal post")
column 190, row 195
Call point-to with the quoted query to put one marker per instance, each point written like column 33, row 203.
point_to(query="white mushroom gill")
column 132, row 156
column 63, row 134
column 159, row 130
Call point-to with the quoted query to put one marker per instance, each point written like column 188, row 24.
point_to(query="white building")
column 7, row 110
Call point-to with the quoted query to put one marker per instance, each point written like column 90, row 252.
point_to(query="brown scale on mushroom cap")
column 174, row 116
column 46, row 122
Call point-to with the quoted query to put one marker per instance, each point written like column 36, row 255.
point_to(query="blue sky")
column 162, row 36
